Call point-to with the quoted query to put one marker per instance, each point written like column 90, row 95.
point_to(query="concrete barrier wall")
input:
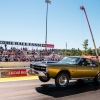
column 14, row 64
column 15, row 69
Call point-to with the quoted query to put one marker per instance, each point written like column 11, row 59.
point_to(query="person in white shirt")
column 3, row 59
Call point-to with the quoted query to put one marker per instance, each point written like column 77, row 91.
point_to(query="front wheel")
column 44, row 79
column 97, row 79
column 62, row 80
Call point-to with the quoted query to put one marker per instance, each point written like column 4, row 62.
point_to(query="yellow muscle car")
column 72, row 67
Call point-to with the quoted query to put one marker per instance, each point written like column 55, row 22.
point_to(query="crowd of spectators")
column 25, row 55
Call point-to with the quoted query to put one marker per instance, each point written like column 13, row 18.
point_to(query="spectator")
column 23, row 54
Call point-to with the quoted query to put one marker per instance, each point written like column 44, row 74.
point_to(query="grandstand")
column 14, row 54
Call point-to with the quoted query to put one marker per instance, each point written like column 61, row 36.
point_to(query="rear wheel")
column 62, row 80
column 97, row 79
column 44, row 79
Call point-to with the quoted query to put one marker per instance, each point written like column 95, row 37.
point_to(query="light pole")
column 48, row 2
column 66, row 49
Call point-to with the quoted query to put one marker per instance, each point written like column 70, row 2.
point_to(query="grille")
column 39, row 68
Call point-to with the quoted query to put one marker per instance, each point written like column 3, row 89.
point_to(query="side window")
column 83, row 62
column 91, row 63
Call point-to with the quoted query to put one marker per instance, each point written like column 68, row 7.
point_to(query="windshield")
column 70, row 60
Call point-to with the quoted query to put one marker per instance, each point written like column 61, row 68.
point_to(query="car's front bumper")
column 39, row 73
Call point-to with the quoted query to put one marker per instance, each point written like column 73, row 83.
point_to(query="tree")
column 73, row 52
column 89, row 51
column 93, row 52
column 78, row 52
column 98, row 50
column 85, row 44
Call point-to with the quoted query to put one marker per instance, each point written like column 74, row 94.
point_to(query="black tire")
column 79, row 80
column 97, row 79
column 44, row 79
column 62, row 80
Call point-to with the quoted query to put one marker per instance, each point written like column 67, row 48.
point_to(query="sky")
column 25, row 21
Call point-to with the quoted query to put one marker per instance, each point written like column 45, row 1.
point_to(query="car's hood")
column 49, row 63
column 43, row 62
column 59, row 64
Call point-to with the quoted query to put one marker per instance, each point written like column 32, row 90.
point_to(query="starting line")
column 18, row 78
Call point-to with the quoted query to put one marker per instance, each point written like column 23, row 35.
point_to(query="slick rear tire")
column 44, row 79
column 62, row 80
column 97, row 79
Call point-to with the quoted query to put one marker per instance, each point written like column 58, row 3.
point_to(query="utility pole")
column 82, row 8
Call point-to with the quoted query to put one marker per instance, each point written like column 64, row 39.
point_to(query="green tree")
column 73, row 52
column 85, row 44
column 98, row 51
column 78, row 52
column 93, row 52
column 89, row 51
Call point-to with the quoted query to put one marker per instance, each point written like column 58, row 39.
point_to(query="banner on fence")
column 26, row 44
column 15, row 72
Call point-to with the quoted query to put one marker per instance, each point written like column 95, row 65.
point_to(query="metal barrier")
column 15, row 69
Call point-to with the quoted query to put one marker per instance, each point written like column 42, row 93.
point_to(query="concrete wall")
column 14, row 69
column 14, row 64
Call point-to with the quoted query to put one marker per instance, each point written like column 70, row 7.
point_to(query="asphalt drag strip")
column 36, row 90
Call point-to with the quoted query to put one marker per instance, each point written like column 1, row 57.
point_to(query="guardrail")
column 15, row 69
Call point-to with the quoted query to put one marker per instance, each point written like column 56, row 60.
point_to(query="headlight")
column 30, row 65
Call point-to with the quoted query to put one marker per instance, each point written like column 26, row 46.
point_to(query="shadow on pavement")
column 72, row 89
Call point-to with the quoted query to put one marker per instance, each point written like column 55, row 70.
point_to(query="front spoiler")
column 39, row 73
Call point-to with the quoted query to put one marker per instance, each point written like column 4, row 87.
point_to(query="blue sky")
column 24, row 21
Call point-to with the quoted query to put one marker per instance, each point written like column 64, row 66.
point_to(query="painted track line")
column 18, row 78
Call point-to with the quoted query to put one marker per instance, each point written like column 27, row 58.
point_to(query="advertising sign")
column 26, row 44
column 48, row 45
column 13, row 72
